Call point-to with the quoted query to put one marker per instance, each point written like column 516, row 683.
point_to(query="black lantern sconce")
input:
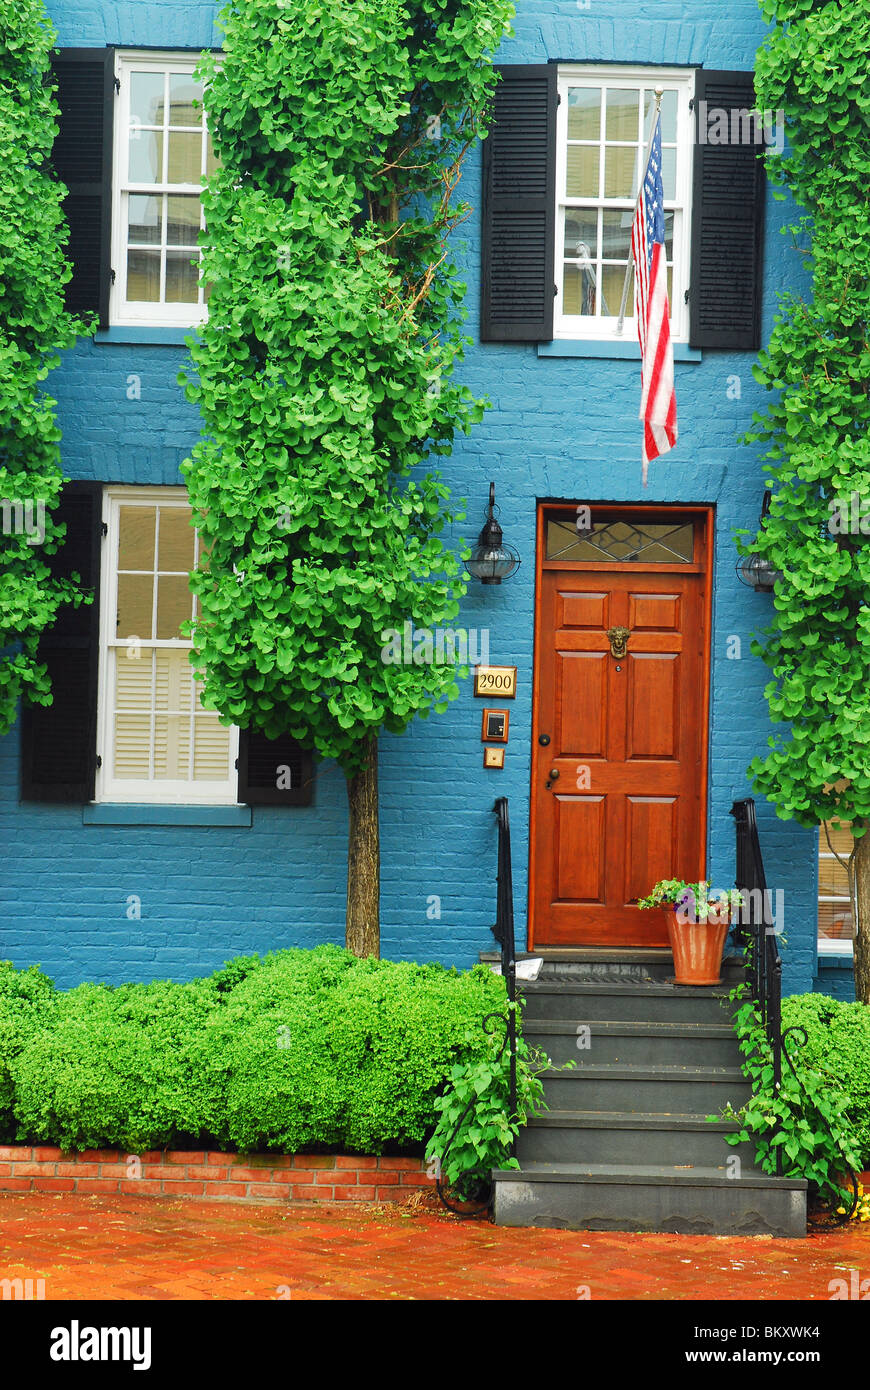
column 491, row 560
column 756, row 571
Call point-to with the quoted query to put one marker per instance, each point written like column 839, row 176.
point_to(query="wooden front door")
column 619, row 753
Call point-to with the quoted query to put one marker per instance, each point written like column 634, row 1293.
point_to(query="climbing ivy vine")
column 325, row 372
column 815, row 66
column 34, row 325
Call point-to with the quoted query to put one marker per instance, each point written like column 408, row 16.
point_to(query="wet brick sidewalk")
column 151, row 1248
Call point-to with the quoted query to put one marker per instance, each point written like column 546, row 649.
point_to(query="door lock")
column 544, row 740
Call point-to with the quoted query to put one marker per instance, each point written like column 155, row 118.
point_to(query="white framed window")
column 604, row 126
column 155, row 741
column 163, row 152
column 836, row 928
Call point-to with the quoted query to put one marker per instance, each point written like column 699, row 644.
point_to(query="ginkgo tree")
column 34, row 325
column 815, row 65
column 324, row 374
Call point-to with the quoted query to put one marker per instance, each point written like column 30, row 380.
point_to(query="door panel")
column 619, row 789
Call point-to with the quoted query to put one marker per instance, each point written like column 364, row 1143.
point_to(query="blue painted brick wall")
column 558, row 428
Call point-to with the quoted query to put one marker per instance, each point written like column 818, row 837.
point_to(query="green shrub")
column 838, row 1045
column 26, row 998
column 296, row 1050
column 326, row 1049
column 116, row 1068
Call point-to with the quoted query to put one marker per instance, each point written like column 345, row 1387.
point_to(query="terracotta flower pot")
column 698, row 947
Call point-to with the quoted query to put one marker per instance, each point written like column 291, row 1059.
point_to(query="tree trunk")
column 862, row 925
column 363, row 928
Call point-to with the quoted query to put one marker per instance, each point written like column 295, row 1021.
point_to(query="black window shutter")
column 82, row 159
column 263, row 764
column 59, row 741
column 727, row 217
column 519, row 208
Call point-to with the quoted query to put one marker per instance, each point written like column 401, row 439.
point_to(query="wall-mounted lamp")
column 756, row 571
column 491, row 560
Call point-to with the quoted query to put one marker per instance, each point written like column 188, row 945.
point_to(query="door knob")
column 554, row 773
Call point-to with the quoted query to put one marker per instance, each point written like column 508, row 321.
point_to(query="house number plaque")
column 496, row 680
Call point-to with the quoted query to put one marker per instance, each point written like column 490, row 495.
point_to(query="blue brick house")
column 140, row 838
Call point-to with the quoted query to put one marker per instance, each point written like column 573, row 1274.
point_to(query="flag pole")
column 660, row 91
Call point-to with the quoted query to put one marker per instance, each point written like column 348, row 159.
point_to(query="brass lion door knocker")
column 618, row 639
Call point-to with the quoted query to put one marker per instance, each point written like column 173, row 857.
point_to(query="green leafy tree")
column 325, row 374
column 34, row 324
column 815, row 65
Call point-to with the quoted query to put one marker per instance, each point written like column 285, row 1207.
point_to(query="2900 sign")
column 496, row 680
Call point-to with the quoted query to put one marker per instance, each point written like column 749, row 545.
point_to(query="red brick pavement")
column 125, row 1247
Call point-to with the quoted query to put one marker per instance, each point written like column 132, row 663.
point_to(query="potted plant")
column 698, row 919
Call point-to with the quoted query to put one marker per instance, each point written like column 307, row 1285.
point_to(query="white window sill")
column 117, row 813
column 627, row 349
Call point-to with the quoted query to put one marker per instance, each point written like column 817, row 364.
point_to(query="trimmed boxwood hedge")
column 838, row 1045
column 295, row 1050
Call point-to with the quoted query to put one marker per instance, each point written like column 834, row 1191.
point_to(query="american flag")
column 658, row 403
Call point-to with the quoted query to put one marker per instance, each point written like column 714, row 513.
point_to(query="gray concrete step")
column 632, row 1003
column 700, row 1200
column 612, row 1137
column 605, row 1041
column 645, row 1089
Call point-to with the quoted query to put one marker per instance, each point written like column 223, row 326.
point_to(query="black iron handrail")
column 503, row 931
column 757, row 931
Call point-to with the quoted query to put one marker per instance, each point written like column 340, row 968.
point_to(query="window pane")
column 183, row 219
column 621, row 120
column 185, row 157
column 146, row 156
column 612, row 281
column 136, row 551
column 135, row 605
column 176, row 540
column 211, row 750
column 146, row 98
column 182, row 278
column 143, row 276
column 579, row 291
column 833, row 879
column 669, row 235
column 581, row 233
column 132, row 744
column 211, row 160
column 174, row 605
column 172, row 747
column 582, row 172
column 669, row 116
column 133, row 682
column 584, row 113
column 145, row 219
column 183, row 91
column 173, row 682
column 835, row 921
column 669, row 173
column 617, row 235
column 619, row 172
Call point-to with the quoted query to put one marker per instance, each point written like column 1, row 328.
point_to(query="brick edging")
column 216, row 1176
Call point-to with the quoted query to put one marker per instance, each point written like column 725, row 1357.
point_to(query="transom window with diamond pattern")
column 622, row 542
